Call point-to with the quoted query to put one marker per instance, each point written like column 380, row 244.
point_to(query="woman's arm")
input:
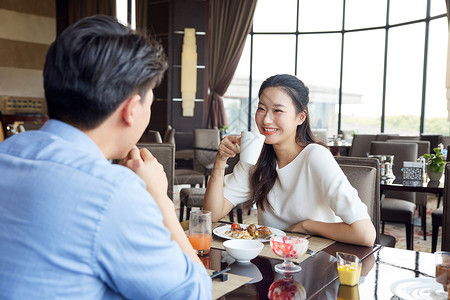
column 360, row 232
column 214, row 200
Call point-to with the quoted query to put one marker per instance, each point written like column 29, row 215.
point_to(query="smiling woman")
column 289, row 184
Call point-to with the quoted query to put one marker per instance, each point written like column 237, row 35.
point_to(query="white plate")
column 418, row 288
column 220, row 231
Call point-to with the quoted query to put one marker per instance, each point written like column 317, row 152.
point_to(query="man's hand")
column 147, row 167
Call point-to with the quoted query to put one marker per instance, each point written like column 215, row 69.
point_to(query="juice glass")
column 349, row 268
column 200, row 231
column 442, row 260
column 346, row 292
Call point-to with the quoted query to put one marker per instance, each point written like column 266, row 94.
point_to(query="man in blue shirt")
column 72, row 225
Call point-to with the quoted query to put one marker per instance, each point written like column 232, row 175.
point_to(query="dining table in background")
column 339, row 149
column 432, row 187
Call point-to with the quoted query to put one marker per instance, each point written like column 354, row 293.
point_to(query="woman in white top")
column 296, row 184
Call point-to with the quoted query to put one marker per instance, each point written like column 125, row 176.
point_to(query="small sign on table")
column 412, row 173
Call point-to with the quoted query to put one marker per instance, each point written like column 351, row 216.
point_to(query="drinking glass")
column 442, row 259
column 286, row 289
column 288, row 247
column 200, row 231
column 349, row 268
column 346, row 292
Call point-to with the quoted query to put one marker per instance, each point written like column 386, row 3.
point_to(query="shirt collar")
column 72, row 135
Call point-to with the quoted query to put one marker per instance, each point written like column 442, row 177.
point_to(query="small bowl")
column 243, row 250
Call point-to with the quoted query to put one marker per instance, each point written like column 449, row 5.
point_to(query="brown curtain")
column 142, row 15
column 448, row 8
column 229, row 25
column 78, row 9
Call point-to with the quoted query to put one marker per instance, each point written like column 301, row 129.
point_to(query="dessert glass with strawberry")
column 289, row 248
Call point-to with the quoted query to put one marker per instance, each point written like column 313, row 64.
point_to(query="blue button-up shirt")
column 74, row 226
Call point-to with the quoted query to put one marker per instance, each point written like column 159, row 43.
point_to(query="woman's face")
column 276, row 116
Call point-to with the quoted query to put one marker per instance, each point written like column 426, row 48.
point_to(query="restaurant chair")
column 445, row 246
column 434, row 139
column 423, row 147
column 363, row 175
column 321, row 135
column 165, row 154
column 382, row 137
column 183, row 176
column 398, row 206
column 151, row 136
column 169, row 135
column 361, row 145
column 403, row 137
column 190, row 197
column 206, row 144
column 436, row 222
column 445, row 140
column 187, row 153
column 193, row 197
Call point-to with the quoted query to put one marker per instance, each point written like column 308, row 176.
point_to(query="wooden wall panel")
column 23, row 55
column 43, row 8
column 27, row 28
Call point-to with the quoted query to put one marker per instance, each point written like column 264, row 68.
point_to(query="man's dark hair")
column 94, row 65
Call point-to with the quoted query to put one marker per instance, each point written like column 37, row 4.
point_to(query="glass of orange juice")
column 349, row 268
column 200, row 231
column 442, row 259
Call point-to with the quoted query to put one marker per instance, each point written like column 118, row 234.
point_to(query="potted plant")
column 435, row 164
column 223, row 131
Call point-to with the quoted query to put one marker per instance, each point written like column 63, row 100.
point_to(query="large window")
column 382, row 71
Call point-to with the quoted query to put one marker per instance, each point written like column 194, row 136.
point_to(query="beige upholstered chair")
column 445, row 140
column 151, row 136
column 165, row 154
column 183, row 176
column 381, row 137
column 363, row 179
column 321, row 135
column 206, row 143
column 193, row 197
column 434, row 140
column 169, row 135
column 367, row 183
column 423, row 147
column 361, row 145
column 403, row 137
column 398, row 207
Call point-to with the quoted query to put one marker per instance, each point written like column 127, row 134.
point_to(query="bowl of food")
column 243, row 250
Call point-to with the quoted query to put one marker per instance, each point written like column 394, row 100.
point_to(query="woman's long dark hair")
column 264, row 175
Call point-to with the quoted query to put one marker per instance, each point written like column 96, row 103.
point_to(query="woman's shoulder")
column 314, row 149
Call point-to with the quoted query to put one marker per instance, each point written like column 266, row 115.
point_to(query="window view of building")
column 382, row 71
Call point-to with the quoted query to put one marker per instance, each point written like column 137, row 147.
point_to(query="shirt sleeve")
column 236, row 187
column 135, row 256
column 335, row 187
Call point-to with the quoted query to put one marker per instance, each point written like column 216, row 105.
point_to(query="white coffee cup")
column 251, row 146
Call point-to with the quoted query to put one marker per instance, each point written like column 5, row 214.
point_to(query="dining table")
column 397, row 184
column 387, row 273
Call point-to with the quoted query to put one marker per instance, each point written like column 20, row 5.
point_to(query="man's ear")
column 129, row 109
